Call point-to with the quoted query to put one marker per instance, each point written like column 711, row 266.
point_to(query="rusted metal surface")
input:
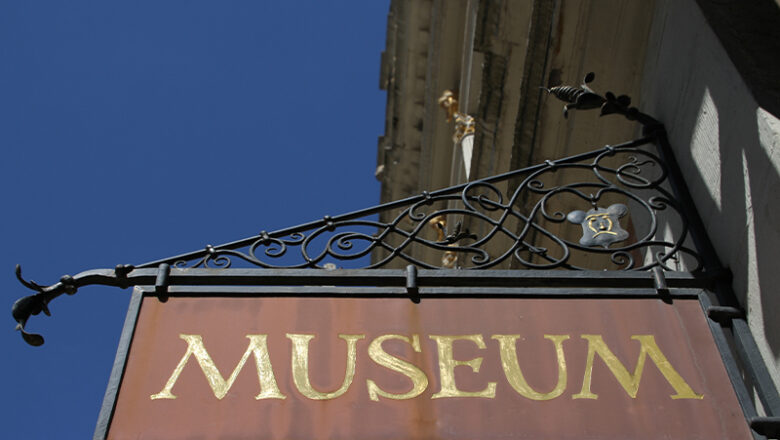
column 678, row 329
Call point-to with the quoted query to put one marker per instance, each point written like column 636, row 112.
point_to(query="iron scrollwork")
column 528, row 230
column 489, row 217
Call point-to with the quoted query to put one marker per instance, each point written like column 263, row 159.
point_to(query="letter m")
column 220, row 386
column 630, row 382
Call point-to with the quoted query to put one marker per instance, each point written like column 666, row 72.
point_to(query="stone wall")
column 728, row 147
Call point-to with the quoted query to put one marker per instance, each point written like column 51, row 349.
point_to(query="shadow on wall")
column 729, row 150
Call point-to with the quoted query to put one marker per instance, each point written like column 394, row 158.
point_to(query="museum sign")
column 243, row 367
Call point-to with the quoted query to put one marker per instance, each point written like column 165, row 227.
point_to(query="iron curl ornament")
column 613, row 208
column 506, row 222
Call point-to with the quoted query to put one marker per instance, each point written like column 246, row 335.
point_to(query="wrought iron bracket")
column 644, row 264
column 494, row 216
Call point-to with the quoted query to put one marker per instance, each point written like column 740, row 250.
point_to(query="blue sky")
column 138, row 130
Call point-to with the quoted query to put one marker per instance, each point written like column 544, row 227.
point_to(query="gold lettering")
column 514, row 375
column 300, row 365
column 381, row 357
column 220, row 386
column 630, row 382
column 447, row 368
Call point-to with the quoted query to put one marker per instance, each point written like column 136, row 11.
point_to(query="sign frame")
column 430, row 285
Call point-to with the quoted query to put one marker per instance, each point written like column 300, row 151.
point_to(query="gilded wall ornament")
column 600, row 227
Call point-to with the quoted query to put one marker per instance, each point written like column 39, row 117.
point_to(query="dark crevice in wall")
column 749, row 31
column 539, row 40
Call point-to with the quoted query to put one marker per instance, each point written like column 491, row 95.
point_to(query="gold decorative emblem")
column 600, row 227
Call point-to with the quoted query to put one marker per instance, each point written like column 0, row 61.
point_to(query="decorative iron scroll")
column 485, row 216
column 519, row 216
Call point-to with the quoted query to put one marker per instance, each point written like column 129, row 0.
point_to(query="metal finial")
column 585, row 98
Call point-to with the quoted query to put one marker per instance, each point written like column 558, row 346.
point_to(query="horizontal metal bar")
column 163, row 280
column 424, row 292
column 724, row 314
column 391, row 277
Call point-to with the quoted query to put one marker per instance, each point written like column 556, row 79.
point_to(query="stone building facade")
column 699, row 67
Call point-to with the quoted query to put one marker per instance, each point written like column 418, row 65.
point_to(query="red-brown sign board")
column 328, row 368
